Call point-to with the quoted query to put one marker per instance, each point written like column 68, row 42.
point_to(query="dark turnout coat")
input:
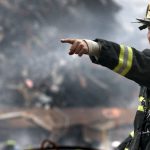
column 134, row 65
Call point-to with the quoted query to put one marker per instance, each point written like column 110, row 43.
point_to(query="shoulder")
column 146, row 52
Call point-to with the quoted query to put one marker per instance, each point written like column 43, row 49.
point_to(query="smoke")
column 31, row 33
column 30, row 47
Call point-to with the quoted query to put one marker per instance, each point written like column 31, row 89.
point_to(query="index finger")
column 70, row 41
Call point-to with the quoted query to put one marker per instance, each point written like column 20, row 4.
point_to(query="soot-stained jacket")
column 134, row 65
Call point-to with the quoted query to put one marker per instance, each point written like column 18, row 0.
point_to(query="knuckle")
column 81, row 45
column 84, row 49
column 77, row 42
column 76, row 52
column 71, row 49
column 81, row 52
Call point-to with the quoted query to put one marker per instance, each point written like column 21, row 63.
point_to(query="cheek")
column 148, row 35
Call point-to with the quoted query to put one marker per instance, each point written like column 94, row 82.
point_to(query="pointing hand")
column 78, row 46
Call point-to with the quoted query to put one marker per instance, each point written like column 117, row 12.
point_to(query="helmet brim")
column 145, row 23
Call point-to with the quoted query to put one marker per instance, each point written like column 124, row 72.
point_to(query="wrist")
column 93, row 48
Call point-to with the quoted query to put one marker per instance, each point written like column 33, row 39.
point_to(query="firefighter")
column 130, row 63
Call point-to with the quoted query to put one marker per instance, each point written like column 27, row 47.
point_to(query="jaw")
column 148, row 36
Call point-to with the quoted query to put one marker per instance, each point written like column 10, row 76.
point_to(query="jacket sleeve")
column 124, row 60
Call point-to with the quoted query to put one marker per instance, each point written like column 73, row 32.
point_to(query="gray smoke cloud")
column 31, row 33
column 30, row 47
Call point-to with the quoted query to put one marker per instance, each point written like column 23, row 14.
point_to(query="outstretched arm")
column 126, row 61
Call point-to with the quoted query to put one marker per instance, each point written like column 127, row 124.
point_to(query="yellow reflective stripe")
column 129, row 61
column 141, row 108
column 141, row 98
column 122, row 49
column 124, row 61
column 126, row 149
column 132, row 134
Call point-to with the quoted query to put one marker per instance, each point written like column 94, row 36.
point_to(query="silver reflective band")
column 124, row 61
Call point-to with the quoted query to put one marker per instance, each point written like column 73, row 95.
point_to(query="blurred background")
column 47, row 94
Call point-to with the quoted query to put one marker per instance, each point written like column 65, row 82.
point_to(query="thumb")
column 70, row 41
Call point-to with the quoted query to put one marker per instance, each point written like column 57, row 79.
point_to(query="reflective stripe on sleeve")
column 129, row 62
column 121, row 55
column 124, row 60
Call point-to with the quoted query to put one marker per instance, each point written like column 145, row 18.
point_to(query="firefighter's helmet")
column 146, row 21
